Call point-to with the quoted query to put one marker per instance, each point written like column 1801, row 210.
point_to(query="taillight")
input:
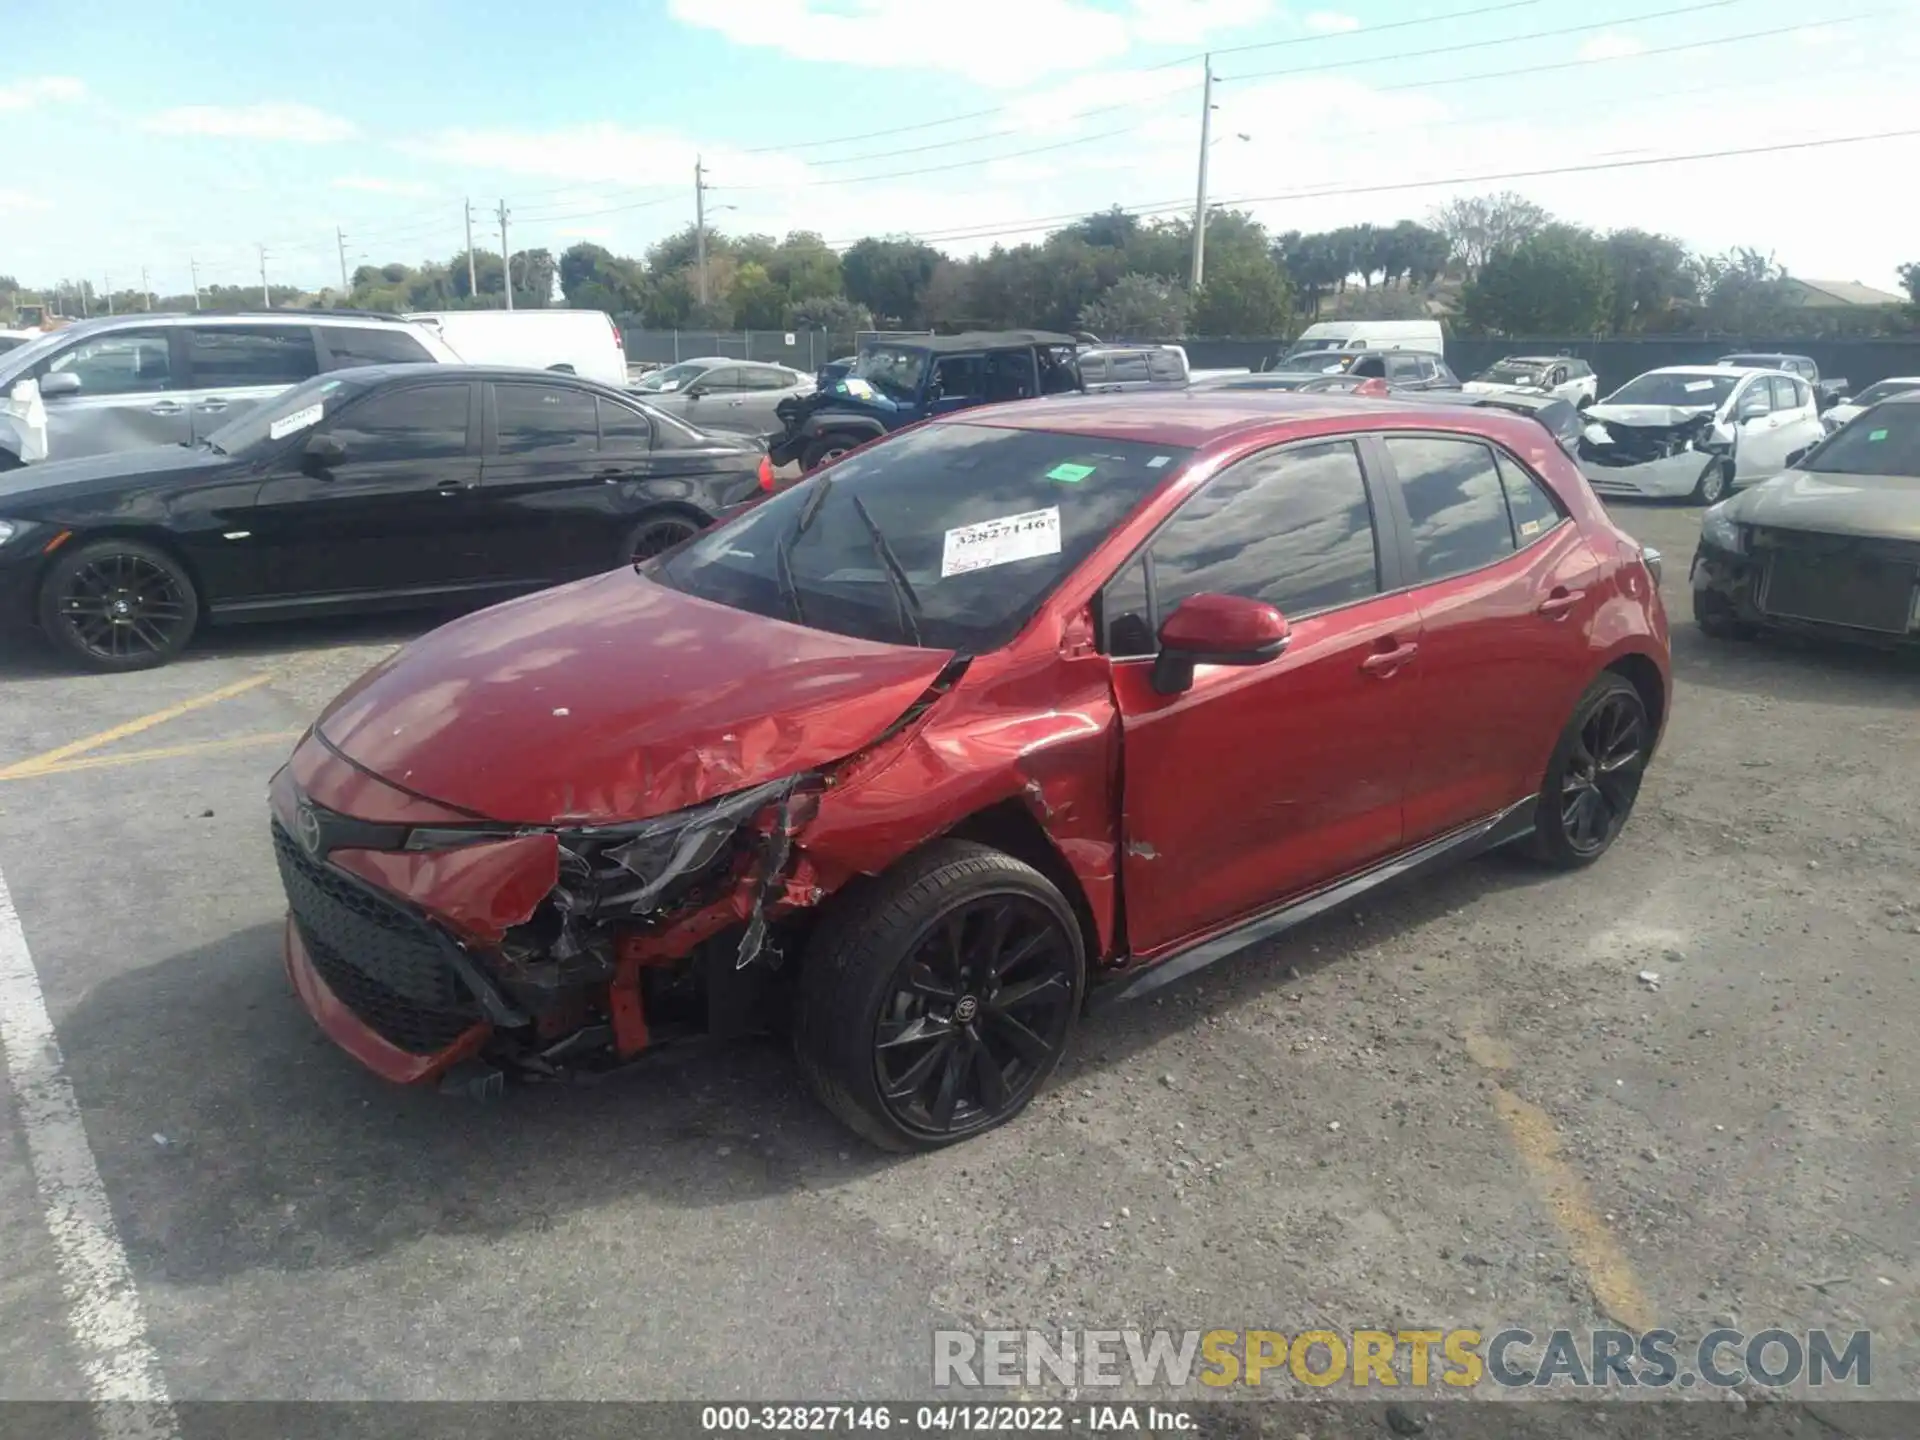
column 619, row 340
column 766, row 473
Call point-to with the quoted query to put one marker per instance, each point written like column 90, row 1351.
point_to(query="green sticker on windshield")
column 1070, row 474
column 1876, row 434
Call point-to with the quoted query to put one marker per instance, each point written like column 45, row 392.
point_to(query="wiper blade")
column 904, row 595
column 783, row 551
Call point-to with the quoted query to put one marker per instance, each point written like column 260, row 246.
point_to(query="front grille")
column 1835, row 581
column 384, row 963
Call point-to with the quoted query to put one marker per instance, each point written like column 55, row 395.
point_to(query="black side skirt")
column 1512, row 823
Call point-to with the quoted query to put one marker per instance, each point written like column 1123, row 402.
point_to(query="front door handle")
column 1385, row 662
column 1559, row 601
column 167, row 407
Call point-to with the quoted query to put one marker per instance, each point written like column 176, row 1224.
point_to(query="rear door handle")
column 167, row 407
column 1385, row 662
column 1560, row 600
column 213, row 405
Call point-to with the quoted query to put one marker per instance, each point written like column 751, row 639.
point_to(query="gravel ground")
column 1454, row 1106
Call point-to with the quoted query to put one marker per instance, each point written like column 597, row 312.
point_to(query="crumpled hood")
column 1651, row 416
column 1883, row 506
column 617, row 699
column 1499, row 387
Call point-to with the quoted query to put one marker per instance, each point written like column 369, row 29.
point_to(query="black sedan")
column 387, row 487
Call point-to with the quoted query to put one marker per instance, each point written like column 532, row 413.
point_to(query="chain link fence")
column 804, row 350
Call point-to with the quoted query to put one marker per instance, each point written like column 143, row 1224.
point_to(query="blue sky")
column 157, row 131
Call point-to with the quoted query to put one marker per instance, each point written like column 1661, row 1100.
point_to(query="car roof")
column 373, row 374
column 1708, row 370
column 1533, row 359
column 980, row 340
column 1765, row 355
column 1193, row 419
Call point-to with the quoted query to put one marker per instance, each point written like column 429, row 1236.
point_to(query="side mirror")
column 59, row 382
column 1215, row 630
column 323, row 452
column 1751, row 410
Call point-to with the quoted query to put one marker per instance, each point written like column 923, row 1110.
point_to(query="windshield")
column 1512, row 372
column 1884, row 442
column 1317, row 364
column 894, row 370
column 1882, row 389
column 1665, row 387
column 983, row 522
column 1302, row 347
column 286, row 415
column 673, row 377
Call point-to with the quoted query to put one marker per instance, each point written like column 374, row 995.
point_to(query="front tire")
column 118, row 605
column 1594, row 776
column 1714, row 485
column 655, row 535
column 828, row 447
column 934, row 1002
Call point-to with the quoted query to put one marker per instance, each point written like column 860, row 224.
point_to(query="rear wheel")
column 118, row 605
column 656, row 535
column 827, row 447
column 1594, row 776
column 934, row 1003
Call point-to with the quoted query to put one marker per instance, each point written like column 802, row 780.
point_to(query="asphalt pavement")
column 1457, row 1105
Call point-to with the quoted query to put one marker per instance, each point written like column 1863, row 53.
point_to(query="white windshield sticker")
column 1157, row 461
column 1693, row 385
column 1001, row 541
column 857, row 387
column 299, row 420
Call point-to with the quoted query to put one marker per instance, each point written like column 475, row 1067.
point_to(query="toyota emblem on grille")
column 306, row 828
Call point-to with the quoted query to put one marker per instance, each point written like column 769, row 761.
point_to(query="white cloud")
column 39, row 90
column 1004, row 43
column 1611, row 45
column 604, row 153
column 1331, row 22
column 300, row 124
column 20, row 200
column 374, row 185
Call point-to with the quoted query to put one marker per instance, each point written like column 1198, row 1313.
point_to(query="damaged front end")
column 1664, row 457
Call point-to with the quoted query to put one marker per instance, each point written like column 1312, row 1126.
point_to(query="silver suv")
column 124, row 381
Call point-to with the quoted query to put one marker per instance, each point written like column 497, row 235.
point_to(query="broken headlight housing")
column 1719, row 530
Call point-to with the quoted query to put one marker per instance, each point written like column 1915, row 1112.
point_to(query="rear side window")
column 534, row 419
column 1164, row 365
column 236, row 356
column 1456, row 503
column 764, row 377
column 1291, row 527
column 1130, row 367
column 622, row 429
column 347, row 346
column 1757, row 398
column 726, row 378
column 1532, row 510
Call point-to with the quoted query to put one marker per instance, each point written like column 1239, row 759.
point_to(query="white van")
column 1371, row 335
column 580, row 342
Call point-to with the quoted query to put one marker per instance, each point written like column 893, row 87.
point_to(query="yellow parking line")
column 1608, row 1272
column 44, row 763
column 164, row 752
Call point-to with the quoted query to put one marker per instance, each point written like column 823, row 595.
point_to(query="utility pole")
column 700, row 231
column 106, row 284
column 1199, row 272
column 146, row 290
column 506, row 255
column 473, row 281
column 193, row 272
column 341, row 240
column 266, row 296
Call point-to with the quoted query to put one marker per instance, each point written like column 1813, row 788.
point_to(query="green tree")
column 1654, row 279
column 1243, row 295
column 1909, row 277
column 1745, row 292
column 1139, row 307
column 805, row 268
column 889, row 276
column 594, row 278
column 1479, row 227
column 1556, row 283
column 835, row 314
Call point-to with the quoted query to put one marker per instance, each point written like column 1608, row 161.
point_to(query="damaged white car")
column 1697, row 432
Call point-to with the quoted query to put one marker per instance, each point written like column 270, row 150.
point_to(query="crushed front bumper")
column 1673, row 477
column 1861, row 591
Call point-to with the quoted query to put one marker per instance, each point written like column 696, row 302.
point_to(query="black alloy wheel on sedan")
column 118, row 605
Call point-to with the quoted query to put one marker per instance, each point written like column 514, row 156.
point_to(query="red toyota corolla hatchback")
column 1012, row 710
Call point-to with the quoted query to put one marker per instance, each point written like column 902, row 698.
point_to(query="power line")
column 1451, row 15
column 1165, row 206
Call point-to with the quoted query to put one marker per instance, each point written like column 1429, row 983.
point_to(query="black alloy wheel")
column 118, row 605
column 980, row 1009
column 934, row 1001
column 657, row 536
column 1594, row 777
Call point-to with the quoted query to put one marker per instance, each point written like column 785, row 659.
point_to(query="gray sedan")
column 722, row 394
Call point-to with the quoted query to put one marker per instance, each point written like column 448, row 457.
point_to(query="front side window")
column 1373, row 367
column 896, row 371
column 233, row 357
column 540, row 419
column 983, row 521
column 126, row 362
column 1756, row 399
column 421, row 422
column 1510, row 372
column 1455, row 501
column 1291, row 527
column 1783, row 396
column 1093, row 369
column 960, row 377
